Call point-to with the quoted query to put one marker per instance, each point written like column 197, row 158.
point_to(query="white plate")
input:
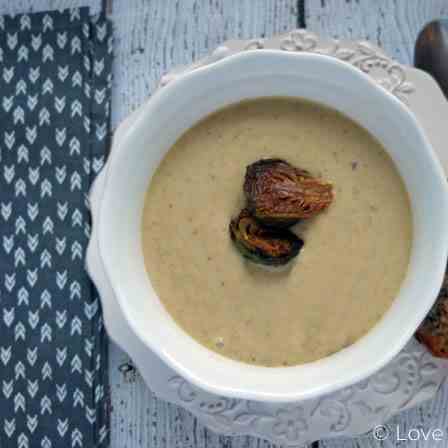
column 412, row 377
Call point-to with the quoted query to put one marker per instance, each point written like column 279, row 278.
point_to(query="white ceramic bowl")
column 175, row 108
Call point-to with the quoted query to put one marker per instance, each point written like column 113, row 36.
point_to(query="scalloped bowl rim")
column 151, row 323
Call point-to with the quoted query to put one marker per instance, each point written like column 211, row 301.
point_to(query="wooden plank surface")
column 154, row 36
column 151, row 37
column 391, row 24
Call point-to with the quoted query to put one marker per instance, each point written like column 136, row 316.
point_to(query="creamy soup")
column 355, row 254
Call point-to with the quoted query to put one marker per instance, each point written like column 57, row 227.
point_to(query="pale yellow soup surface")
column 355, row 254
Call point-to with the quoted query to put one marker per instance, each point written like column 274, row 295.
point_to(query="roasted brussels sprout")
column 263, row 245
column 280, row 194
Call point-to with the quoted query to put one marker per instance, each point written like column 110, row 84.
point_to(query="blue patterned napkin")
column 54, row 128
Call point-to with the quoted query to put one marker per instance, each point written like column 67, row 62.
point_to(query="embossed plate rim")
column 349, row 411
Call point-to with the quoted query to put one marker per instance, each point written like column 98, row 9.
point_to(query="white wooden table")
column 152, row 36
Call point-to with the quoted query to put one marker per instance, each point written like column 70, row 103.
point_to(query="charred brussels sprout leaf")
column 263, row 245
column 280, row 194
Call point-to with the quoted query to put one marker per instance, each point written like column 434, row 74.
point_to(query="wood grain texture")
column 154, row 36
column 393, row 25
column 139, row 419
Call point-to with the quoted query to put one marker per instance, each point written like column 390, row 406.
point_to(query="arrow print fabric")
column 55, row 84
